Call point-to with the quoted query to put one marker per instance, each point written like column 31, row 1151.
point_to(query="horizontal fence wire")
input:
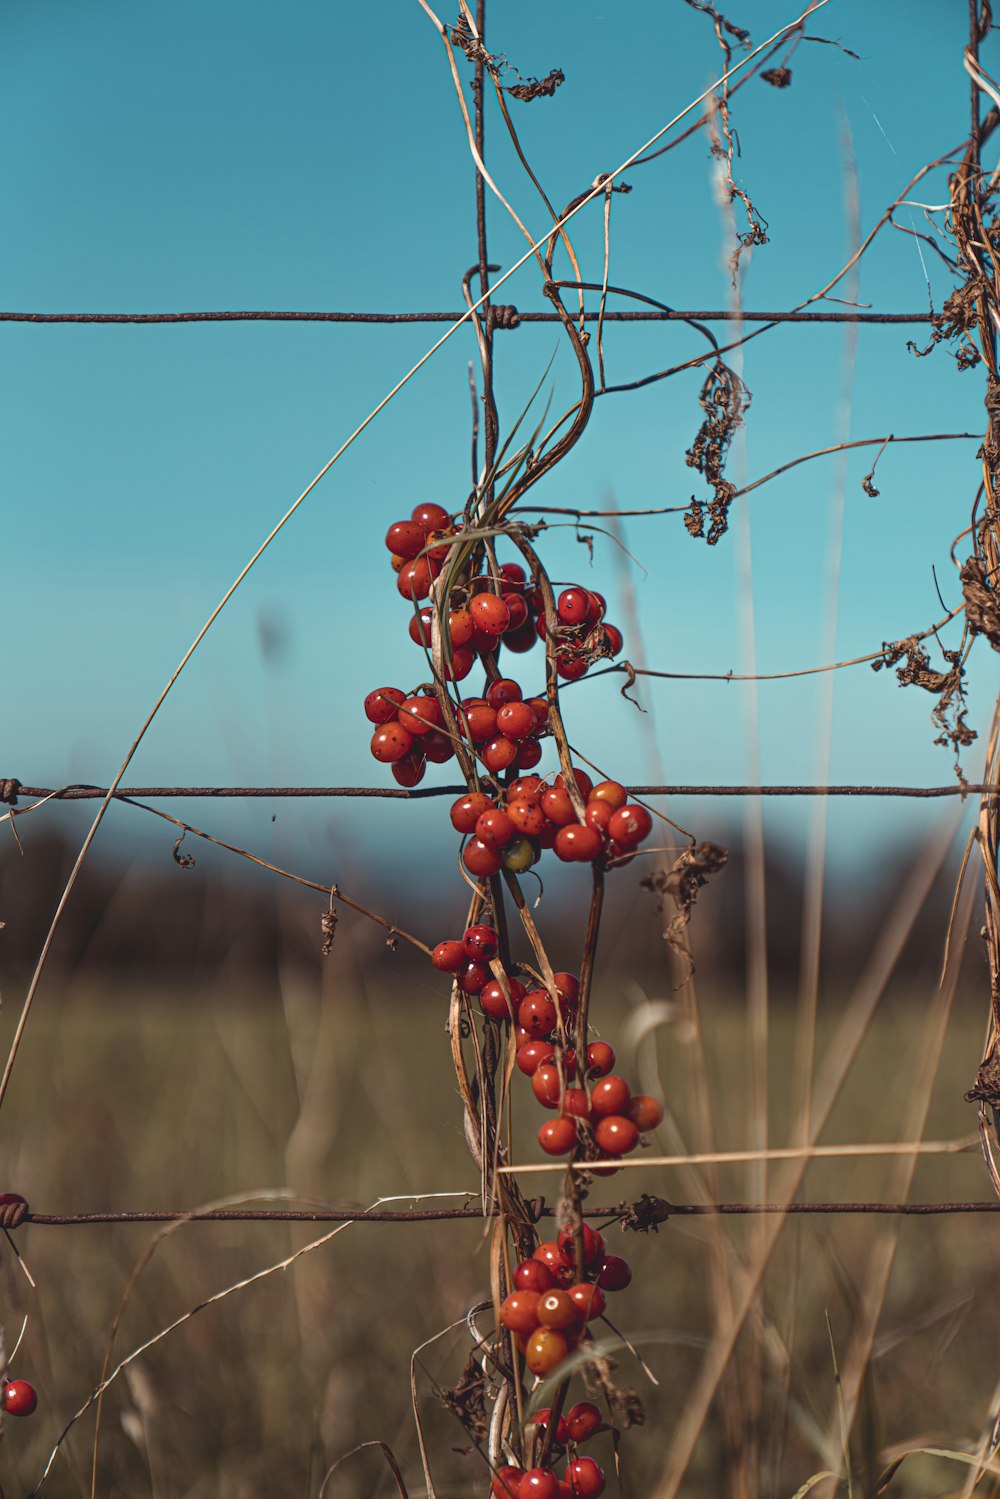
column 11, row 789
column 431, row 1215
column 503, row 317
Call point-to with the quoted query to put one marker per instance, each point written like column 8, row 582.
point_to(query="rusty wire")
column 506, row 317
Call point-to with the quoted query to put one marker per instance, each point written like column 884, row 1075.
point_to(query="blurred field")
column 144, row 1097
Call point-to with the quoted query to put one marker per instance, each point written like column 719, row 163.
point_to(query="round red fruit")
column 571, row 668
column 494, row 1001
column 572, row 606
column 577, row 844
column 597, row 816
column 557, row 1136
column 546, row 1350
column 568, row 986
column 537, row 1014
column 539, row 1483
column 577, row 1103
column 420, row 714
column 415, row 579
column 466, row 812
column 532, row 1275
column 391, row 742
column 462, row 661
column 630, row 825
column 526, row 815
column 481, row 941
column 405, row 539
column 506, row 1483
column 550, row 1255
column 582, row 1420
column 645, row 1112
column 516, row 720
column 546, row 1084
column 612, row 792
column 588, row 1301
column 615, row 1273
column 598, row 607
column 557, row 806
column 430, row 516
column 482, row 723
column 381, row 705
column 481, row 860
column 420, row 626
column 520, row 1311
column 460, row 626
column 532, row 1055
column 557, row 1309
column 409, row 771
column 19, row 1398
column 585, row 1478
column 449, row 957
column 525, row 786
column 437, row 747
column 600, row 1058
column 498, row 754
column 495, row 828
column 529, row 752
column 514, row 576
column 593, row 1244
column 583, row 781
column 518, row 611
column 613, row 639
column 616, row 1135
column 610, row 1096
column 543, row 1419
column 473, row 977
column 503, row 691
column 490, row 614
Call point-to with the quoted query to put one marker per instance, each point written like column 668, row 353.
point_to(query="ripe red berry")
column 495, row 828
column 526, row 815
column 482, row 723
column 630, row 825
column 481, row 860
column 382, row 704
column 519, row 1311
column 532, row 1275
column 556, row 1309
column 506, row 1483
column 593, row 1244
column 576, row 1103
column 583, row 781
column 466, row 812
column 522, row 639
column 597, row 816
column 460, row 626
column 405, row 539
column 543, row 1419
column 568, row 986
column 410, row 770
column 537, row 1014
column 503, row 691
column 529, row 752
column 551, row 1256
column 612, row 792
column 557, row 806
column 473, row 977
column 613, row 639
column 572, row 606
column 415, row 578
column 498, row 754
column 600, row 1058
column 490, row 614
column 585, row 1478
column 539, row 1483
column 494, row 1001
column 421, row 623
column 516, row 720
column 462, row 661
column 431, row 517
column 449, row 957
column 577, row 844
column 615, row 1273
column 19, row 1398
column 481, row 941
column 598, row 607
column 571, row 668
column 558, row 1136
column 582, row 1420
column 645, row 1112
column 530, row 786
column 514, row 576
column 545, row 1350
column 610, row 1096
column 588, row 1301
column 419, row 715
column 546, row 1084
column 518, row 611
column 616, row 1135
column 391, row 742
column 532, row 1055
column 437, row 747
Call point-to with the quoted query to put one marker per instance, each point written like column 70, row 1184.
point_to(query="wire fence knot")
column 503, row 316
column 9, row 789
column 13, row 1210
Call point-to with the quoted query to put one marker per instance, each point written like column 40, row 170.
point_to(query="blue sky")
column 310, row 156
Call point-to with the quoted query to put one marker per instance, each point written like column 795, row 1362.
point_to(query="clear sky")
column 311, row 155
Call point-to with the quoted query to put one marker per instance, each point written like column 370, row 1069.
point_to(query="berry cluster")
column 617, row 1117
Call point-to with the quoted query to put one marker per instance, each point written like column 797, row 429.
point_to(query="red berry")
column 482, row 723
column 539, row 1483
column 616, row 1135
column 568, row 986
column 410, row 770
column 466, row 812
column 526, row 815
column 556, row 1309
column 518, row 611
column 540, row 708
column 495, row 828
column 571, row 668
column 558, row 1136
column 391, row 742
column 514, row 576
column 382, row 704
column 546, row 1349
column 600, row 1058
column 519, row 1311
column 532, row 1275
column 481, row 941
column 449, row 957
column 550, row 1255
column 490, row 614
column 630, row 825
column 588, row 1301
column 503, row 691
column 546, row 1084
column 576, row 1103
column 598, row 815
column 598, row 607
column 532, row 1055
column 494, row 1001
column 529, row 786
column 645, row 1112
column 593, row 1244
column 420, row 626
column 19, row 1397
column 543, row 1418
column 537, row 1014
column 529, row 752
column 612, row 792
column 613, row 639
column 462, row 661
column 615, row 1273
column 577, row 844
column 506, row 1483
column 431, row 517
column 610, row 1096
column 473, row 977
column 582, row 1420
column 583, row 781
column 522, row 639
column 420, row 714
column 572, row 606
column 481, row 860
column 557, row 806
column 585, row 1478
column 405, row 539
column 437, row 747
column 415, row 578
column 498, row 754
column 516, row 720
